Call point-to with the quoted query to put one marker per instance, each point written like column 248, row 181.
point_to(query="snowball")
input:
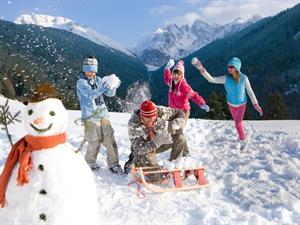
column 111, row 81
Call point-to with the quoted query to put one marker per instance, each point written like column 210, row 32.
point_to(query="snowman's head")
column 45, row 118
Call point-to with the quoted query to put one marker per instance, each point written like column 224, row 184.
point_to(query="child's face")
column 231, row 69
column 177, row 75
column 90, row 74
column 149, row 122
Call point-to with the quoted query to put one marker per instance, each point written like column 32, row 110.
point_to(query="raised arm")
column 216, row 80
column 167, row 76
column 167, row 71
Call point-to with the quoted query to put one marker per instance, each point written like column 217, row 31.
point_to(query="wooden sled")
column 172, row 180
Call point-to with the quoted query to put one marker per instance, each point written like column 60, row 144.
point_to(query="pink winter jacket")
column 179, row 98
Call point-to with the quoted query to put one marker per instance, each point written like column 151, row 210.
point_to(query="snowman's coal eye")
column 52, row 113
column 30, row 111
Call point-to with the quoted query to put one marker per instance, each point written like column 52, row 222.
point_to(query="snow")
column 72, row 26
column 151, row 68
column 174, row 41
column 259, row 186
column 111, row 81
column 60, row 182
column 159, row 31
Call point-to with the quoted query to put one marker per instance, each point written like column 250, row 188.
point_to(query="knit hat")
column 90, row 64
column 236, row 62
column 179, row 66
column 148, row 109
column 42, row 92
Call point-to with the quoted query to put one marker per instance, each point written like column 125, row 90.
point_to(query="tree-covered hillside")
column 30, row 55
column 270, row 54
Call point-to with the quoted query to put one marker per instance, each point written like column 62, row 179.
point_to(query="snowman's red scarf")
column 21, row 152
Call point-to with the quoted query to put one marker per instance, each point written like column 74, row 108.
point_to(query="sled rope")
column 139, row 192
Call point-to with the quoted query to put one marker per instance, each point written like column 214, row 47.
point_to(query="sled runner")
column 160, row 180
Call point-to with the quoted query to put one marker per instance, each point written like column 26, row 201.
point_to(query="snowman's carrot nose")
column 38, row 121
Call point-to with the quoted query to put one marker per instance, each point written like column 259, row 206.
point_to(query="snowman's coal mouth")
column 41, row 130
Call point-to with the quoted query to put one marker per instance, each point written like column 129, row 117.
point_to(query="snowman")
column 44, row 181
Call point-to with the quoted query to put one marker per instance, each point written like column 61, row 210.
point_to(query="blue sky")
column 127, row 21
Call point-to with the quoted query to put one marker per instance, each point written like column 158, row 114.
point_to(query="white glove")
column 198, row 65
column 162, row 139
column 205, row 107
column 170, row 64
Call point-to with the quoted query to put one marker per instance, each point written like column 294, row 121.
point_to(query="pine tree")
column 219, row 107
column 276, row 108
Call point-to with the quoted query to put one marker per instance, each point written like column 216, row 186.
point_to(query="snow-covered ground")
column 260, row 186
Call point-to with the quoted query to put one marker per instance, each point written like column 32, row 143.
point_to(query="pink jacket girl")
column 179, row 90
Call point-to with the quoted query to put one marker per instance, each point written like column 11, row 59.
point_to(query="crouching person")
column 94, row 113
column 153, row 130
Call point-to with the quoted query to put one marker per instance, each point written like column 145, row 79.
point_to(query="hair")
column 236, row 76
column 178, row 71
column 173, row 82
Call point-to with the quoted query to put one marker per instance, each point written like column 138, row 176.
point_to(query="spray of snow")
column 137, row 93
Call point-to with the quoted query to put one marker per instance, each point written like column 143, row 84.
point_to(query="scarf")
column 150, row 133
column 21, row 152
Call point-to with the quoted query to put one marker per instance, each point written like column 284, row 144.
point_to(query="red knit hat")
column 148, row 109
column 179, row 66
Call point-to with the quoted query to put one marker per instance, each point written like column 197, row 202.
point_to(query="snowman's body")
column 61, row 188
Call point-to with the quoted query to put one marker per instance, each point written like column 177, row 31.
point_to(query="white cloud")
column 188, row 18
column 162, row 9
column 222, row 11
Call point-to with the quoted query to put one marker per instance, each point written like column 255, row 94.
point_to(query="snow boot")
column 94, row 167
column 128, row 164
column 116, row 170
column 244, row 145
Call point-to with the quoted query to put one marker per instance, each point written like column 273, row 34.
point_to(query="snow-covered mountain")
column 178, row 41
column 72, row 26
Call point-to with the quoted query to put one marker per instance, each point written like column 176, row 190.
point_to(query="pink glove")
column 258, row 109
column 198, row 65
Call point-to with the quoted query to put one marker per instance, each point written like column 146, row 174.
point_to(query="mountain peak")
column 41, row 20
column 74, row 27
column 179, row 41
column 159, row 31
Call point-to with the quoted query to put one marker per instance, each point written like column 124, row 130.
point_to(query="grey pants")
column 186, row 149
column 177, row 149
column 97, row 133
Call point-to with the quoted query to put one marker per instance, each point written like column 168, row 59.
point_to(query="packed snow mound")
column 259, row 186
column 181, row 163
